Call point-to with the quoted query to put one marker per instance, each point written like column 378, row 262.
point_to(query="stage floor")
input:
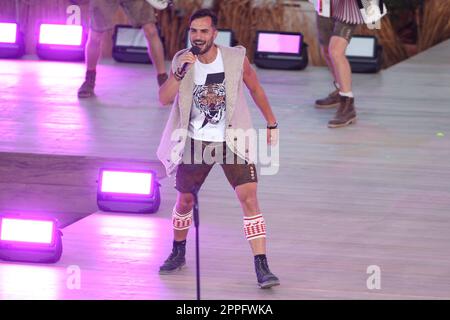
column 373, row 194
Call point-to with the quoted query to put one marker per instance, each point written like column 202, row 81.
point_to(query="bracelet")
column 273, row 126
column 178, row 76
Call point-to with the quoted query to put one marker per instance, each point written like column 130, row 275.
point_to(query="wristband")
column 178, row 76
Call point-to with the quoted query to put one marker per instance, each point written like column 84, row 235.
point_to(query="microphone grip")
column 195, row 51
column 183, row 68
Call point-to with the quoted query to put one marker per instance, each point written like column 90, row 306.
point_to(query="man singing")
column 210, row 107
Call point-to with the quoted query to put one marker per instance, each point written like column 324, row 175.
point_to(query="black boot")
column 176, row 259
column 266, row 279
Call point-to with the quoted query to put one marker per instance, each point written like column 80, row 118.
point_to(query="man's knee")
column 250, row 203
column 185, row 202
column 247, row 194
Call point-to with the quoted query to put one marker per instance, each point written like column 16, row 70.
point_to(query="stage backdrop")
column 243, row 16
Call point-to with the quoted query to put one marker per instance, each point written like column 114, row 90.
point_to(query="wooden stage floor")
column 373, row 194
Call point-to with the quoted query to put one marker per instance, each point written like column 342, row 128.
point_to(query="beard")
column 208, row 45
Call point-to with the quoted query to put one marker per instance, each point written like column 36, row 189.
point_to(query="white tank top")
column 207, row 121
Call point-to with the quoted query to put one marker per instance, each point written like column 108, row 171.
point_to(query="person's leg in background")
column 346, row 114
column 156, row 51
column 325, row 28
column 141, row 13
column 92, row 55
column 101, row 19
column 343, row 72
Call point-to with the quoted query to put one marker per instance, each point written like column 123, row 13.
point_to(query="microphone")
column 195, row 51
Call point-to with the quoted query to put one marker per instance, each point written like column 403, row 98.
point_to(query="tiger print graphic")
column 209, row 98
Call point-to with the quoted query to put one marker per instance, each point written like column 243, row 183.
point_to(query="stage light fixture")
column 12, row 44
column 280, row 50
column 364, row 54
column 130, row 45
column 128, row 191
column 61, row 42
column 225, row 38
column 28, row 239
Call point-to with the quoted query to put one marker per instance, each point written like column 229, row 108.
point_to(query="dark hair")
column 201, row 13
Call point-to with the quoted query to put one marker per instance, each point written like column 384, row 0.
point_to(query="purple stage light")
column 61, row 42
column 279, row 43
column 128, row 191
column 28, row 231
column 8, row 32
column 29, row 239
column 61, row 34
column 127, row 182
column 12, row 44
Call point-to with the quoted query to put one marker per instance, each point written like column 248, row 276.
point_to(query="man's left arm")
column 260, row 99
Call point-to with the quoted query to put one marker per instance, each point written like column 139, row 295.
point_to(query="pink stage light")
column 279, row 43
column 60, row 34
column 29, row 239
column 8, row 32
column 27, row 231
column 135, row 191
column 139, row 183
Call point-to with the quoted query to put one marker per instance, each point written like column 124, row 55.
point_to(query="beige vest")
column 172, row 144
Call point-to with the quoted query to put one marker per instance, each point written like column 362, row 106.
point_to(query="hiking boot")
column 331, row 101
column 345, row 115
column 162, row 78
column 176, row 259
column 266, row 279
column 87, row 88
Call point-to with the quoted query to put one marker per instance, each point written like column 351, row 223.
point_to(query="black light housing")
column 135, row 191
column 12, row 44
column 280, row 50
column 61, row 42
column 26, row 238
column 364, row 54
column 130, row 45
